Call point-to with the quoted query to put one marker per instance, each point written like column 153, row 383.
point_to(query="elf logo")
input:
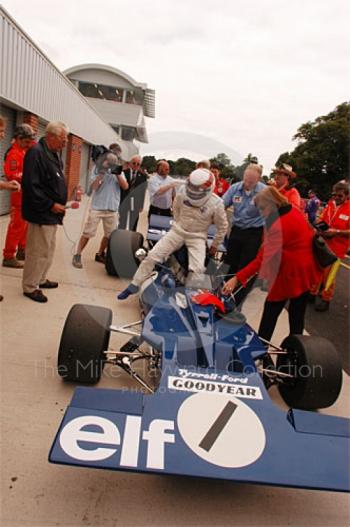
column 219, row 428
column 105, row 432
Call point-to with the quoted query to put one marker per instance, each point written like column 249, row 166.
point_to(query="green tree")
column 239, row 170
column 184, row 166
column 321, row 157
column 149, row 163
column 250, row 159
column 227, row 169
column 222, row 159
column 172, row 166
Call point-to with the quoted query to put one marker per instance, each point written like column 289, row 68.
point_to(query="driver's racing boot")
column 130, row 290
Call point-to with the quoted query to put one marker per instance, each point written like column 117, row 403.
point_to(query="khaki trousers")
column 40, row 248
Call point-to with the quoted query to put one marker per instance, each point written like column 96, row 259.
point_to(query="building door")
column 10, row 116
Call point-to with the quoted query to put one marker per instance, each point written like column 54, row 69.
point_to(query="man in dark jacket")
column 132, row 200
column 43, row 207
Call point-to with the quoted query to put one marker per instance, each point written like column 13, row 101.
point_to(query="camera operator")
column 107, row 180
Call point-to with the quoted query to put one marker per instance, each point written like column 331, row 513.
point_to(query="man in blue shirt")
column 104, row 207
column 312, row 206
column 247, row 223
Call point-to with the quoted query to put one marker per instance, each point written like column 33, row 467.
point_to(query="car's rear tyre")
column 316, row 368
column 84, row 340
column 120, row 258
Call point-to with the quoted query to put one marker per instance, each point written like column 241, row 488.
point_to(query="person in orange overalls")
column 6, row 185
column 335, row 218
column 14, row 250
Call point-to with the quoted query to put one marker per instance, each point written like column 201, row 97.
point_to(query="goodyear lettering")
column 193, row 385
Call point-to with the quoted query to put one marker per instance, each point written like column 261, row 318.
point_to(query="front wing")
column 205, row 425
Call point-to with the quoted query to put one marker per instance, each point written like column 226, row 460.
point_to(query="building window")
column 101, row 91
column 128, row 133
column 89, row 90
column 116, row 128
column 130, row 97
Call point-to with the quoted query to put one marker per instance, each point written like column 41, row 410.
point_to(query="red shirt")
column 285, row 259
column 337, row 218
column 13, row 169
column 221, row 186
column 293, row 196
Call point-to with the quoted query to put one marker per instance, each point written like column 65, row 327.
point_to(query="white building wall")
column 30, row 81
column 118, row 112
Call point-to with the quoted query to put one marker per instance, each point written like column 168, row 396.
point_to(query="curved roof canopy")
column 149, row 94
column 104, row 67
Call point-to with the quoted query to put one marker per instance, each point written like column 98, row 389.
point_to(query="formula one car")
column 203, row 408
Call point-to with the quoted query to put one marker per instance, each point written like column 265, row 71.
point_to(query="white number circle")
column 221, row 429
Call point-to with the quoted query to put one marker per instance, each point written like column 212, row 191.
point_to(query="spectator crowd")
column 270, row 235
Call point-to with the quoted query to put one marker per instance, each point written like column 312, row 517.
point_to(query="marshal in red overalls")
column 17, row 228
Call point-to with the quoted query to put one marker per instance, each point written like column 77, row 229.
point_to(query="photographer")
column 105, row 186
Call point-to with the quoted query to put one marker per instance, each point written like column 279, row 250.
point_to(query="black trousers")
column 296, row 315
column 158, row 211
column 243, row 246
column 128, row 219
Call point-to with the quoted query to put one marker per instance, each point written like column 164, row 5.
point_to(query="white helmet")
column 199, row 186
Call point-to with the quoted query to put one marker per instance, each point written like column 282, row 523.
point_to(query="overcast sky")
column 245, row 74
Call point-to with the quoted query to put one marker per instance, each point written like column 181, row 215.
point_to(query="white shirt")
column 162, row 201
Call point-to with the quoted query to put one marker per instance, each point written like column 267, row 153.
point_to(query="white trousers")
column 165, row 247
column 40, row 248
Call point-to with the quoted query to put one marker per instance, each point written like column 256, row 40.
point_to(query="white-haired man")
column 43, row 207
column 195, row 208
column 132, row 198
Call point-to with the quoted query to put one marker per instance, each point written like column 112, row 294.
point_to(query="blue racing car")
column 203, row 408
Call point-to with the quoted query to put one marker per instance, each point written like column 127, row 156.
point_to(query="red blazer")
column 293, row 196
column 285, row 259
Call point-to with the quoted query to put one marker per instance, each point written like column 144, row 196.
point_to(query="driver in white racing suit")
column 195, row 208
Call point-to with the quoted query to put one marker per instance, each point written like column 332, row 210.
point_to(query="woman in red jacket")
column 285, row 260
